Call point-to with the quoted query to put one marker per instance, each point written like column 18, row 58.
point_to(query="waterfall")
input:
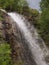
column 31, row 39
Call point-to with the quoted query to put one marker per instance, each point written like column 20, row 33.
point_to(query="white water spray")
column 35, row 48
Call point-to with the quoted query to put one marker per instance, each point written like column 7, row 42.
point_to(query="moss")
column 1, row 17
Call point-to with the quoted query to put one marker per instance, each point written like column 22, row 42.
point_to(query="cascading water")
column 32, row 42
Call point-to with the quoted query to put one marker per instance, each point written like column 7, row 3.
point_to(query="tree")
column 45, row 20
column 13, row 5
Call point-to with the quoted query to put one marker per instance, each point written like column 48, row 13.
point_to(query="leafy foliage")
column 45, row 20
column 13, row 5
column 5, row 51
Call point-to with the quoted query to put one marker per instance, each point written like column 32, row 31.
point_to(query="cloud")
column 34, row 4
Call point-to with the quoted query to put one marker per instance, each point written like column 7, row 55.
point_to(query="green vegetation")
column 31, row 14
column 13, row 5
column 5, row 52
column 1, row 18
column 40, row 20
column 44, row 20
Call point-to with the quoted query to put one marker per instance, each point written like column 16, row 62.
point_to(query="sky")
column 34, row 4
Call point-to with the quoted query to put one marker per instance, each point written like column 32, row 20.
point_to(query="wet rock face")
column 10, row 33
column 20, row 52
column 47, row 59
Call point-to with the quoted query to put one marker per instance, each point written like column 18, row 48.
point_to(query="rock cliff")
column 10, row 33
